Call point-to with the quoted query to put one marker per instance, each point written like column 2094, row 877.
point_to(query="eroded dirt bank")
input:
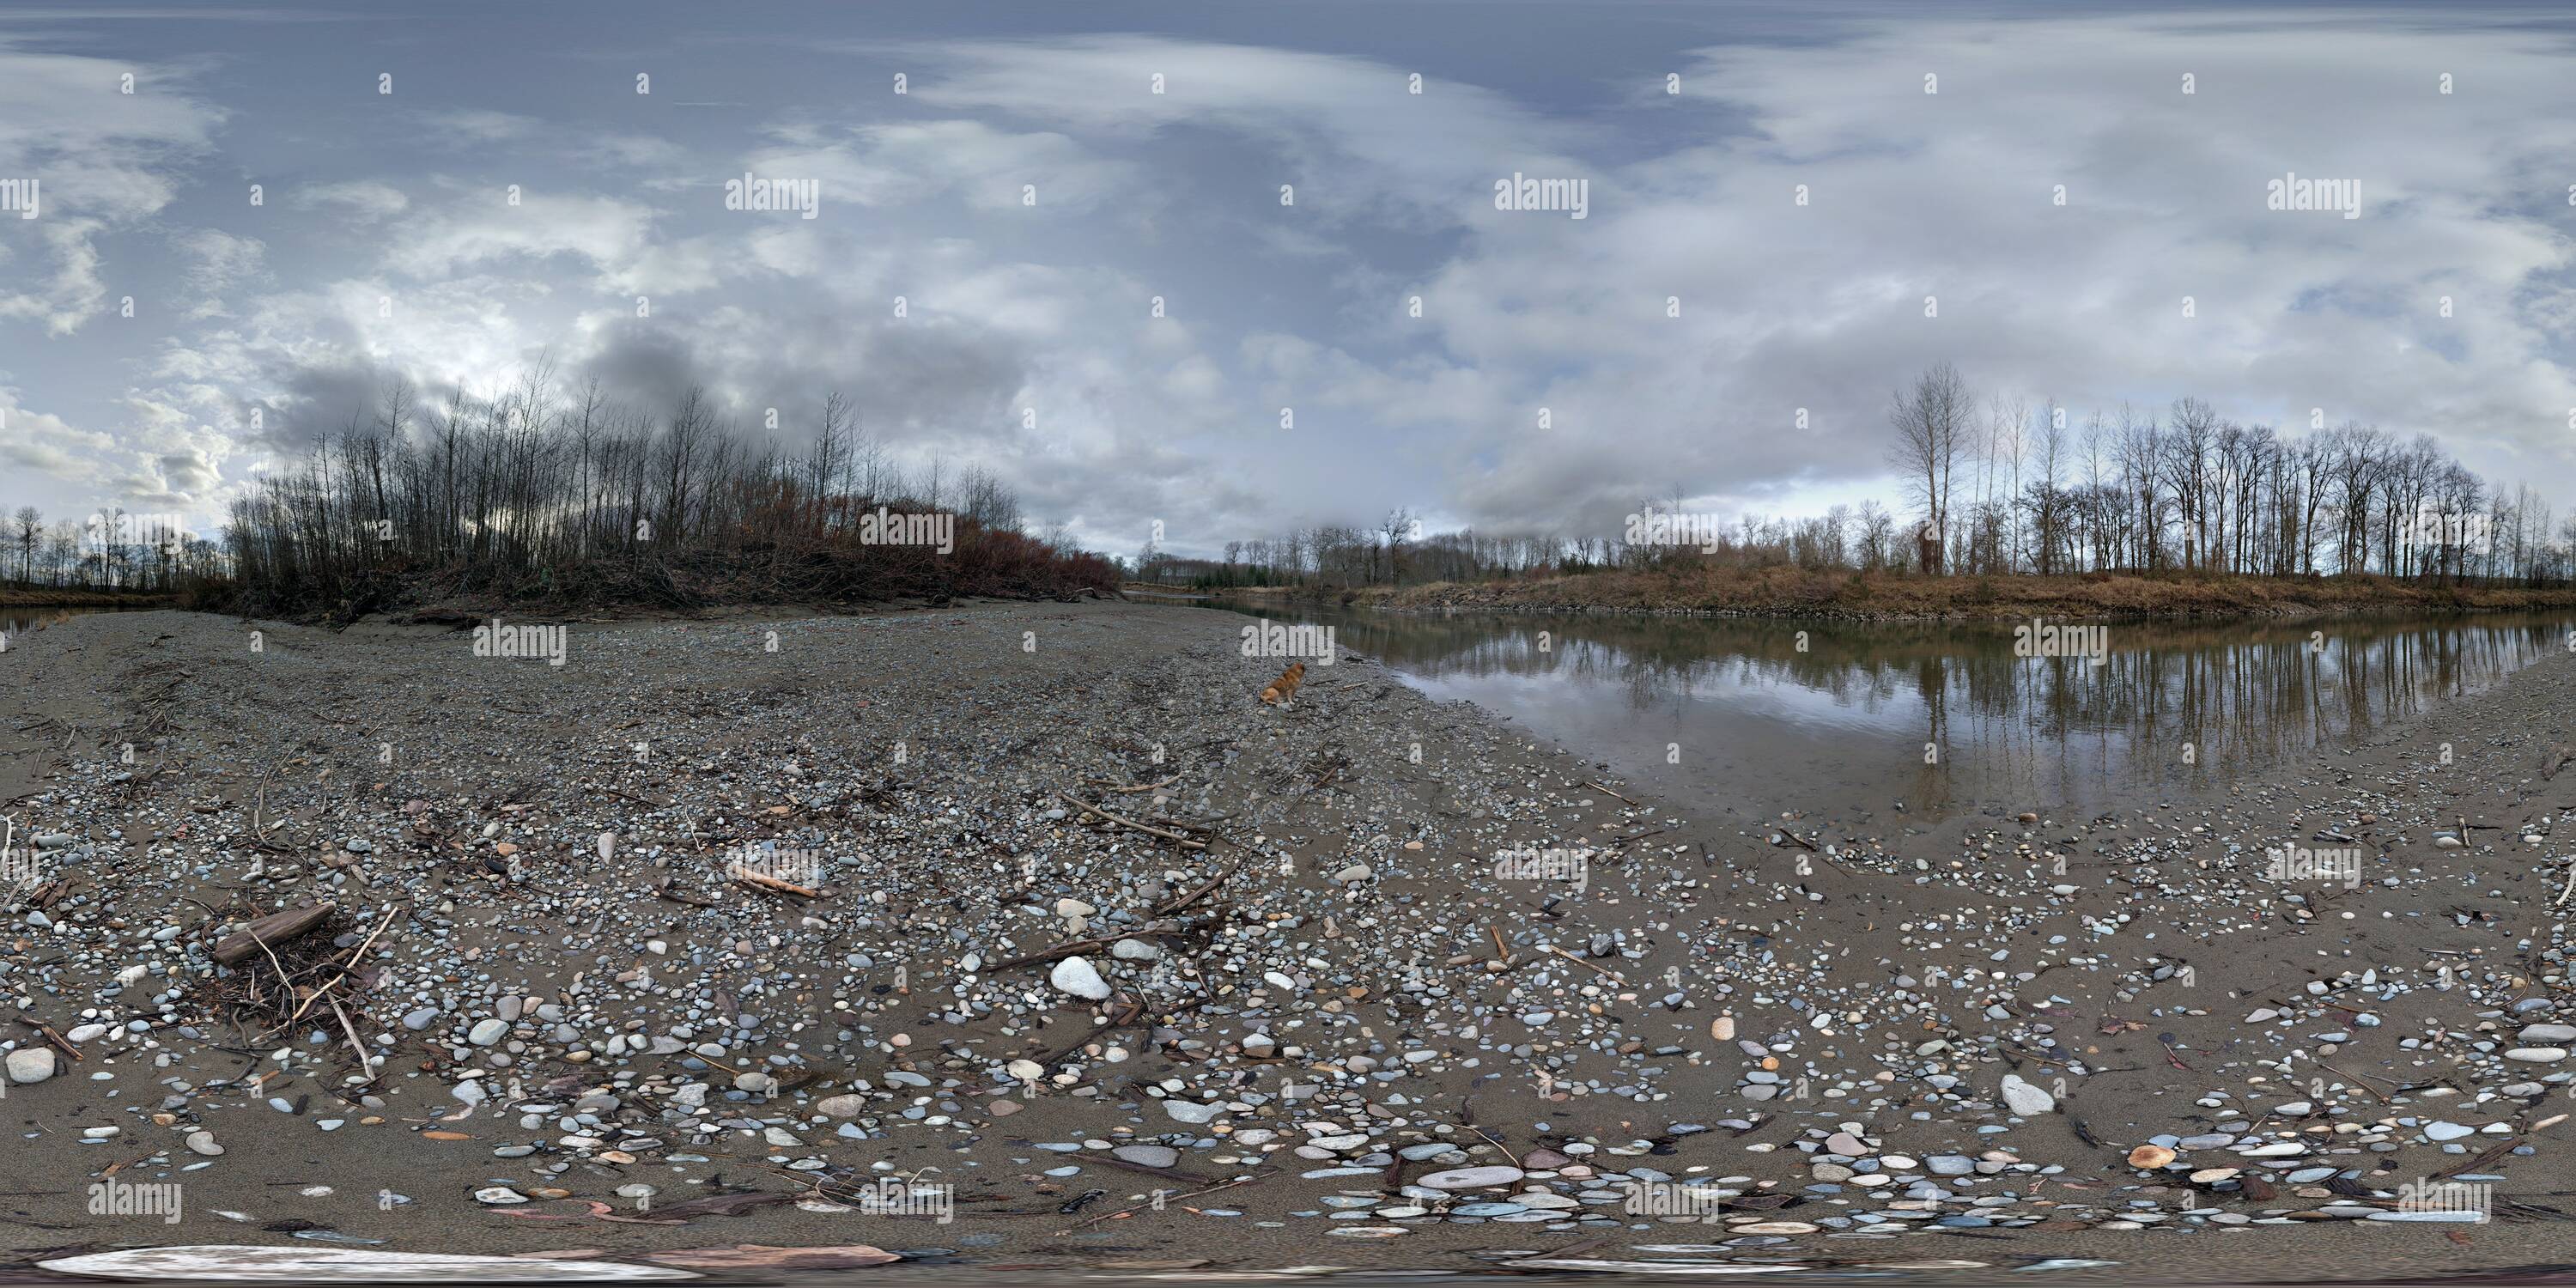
column 1314, row 1013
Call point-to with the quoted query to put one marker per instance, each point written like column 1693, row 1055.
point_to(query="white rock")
column 31, row 1064
column 1471, row 1178
column 1077, row 976
column 203, row 1142
column 2025, row 1099
column 487, row 1032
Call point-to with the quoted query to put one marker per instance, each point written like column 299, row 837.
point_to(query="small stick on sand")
column 772, row 884
column 1143, row 787
column 1605, row 974
column 1186, row 842
column 357, row 1048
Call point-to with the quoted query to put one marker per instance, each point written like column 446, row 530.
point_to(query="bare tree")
column 1930, row 421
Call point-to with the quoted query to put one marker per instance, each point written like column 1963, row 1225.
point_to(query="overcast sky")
column 1546, row 381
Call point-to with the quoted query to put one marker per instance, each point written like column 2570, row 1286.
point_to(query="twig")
column 1167, row 1199
column 53, row 1037
column 1605, row 974
column 364, row 1066
column 772, row 884
column 1184, row 901
column 1186, row 842
column 1145, row 787
column 347, row 966
column 1598, row 787
column 662, row 889
column 1073, row 946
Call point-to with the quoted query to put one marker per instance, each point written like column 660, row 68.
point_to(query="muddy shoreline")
column 1353, row 977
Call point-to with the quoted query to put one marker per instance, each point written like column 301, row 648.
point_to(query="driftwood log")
column 275, row 928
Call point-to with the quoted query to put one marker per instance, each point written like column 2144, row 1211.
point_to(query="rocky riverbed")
column 1010, row 937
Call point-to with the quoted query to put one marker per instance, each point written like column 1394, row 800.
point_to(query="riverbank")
column 1790, row 592
column 13, row 597
column 1311, row 1008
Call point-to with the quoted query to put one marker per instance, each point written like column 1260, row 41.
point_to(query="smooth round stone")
column 30, row 1064
column 1148, row 1155
column 1470, row 1178
column 1487, row 1209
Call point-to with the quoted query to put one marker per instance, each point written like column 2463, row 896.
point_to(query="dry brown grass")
column 1792, row 592
column 48, row 597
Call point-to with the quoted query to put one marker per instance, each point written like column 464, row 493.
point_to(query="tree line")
column 538, row 492
column 105, row 551
column 2000, row 486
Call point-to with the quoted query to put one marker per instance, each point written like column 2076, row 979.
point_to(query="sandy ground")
column 1825, row 956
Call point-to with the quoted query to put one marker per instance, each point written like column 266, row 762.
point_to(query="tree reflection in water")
column 2172, row 704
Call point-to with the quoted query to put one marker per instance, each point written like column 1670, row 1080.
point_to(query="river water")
column 1754, row 717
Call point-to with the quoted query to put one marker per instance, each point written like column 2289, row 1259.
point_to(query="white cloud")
column 364, row 200
column 102, row 160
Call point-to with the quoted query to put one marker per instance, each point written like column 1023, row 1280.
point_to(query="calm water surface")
column 1756, row 717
